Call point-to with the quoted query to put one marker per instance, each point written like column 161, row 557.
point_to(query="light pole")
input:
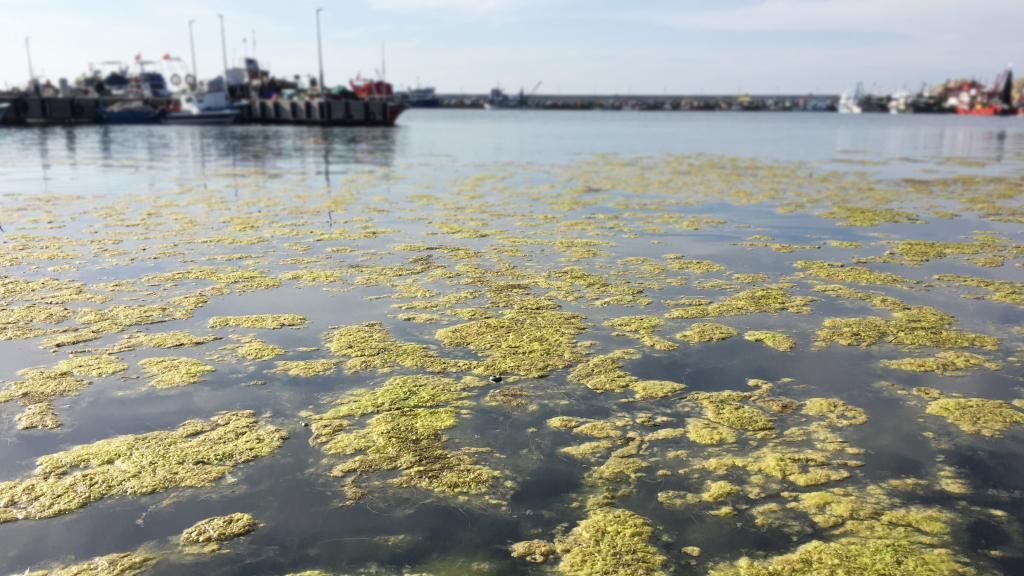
column 192, row 46
column 28, row 53
column 224, row 55
column 320, row 49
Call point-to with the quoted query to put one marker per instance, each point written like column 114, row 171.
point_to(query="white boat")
column 850, row 103
column 203, row 108
column 899, row 103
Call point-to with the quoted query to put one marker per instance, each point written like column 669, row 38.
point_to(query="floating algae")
column 836, row 412
column 535, row 551
column 196, row 454
column 764, row 300
column 124, row 564
column 948, row 363
column 213, row 531
column 701, row 332
column 531, row 343
column 261, row 321
column 977, row 415
column 776, row 340
column 305, row 368
column 642, row 328
column 853, row 557
column 915, row 326
column 876, row 300
column 253, row 349
column 839, row 272
column 610, row 542
column 171, row 372
column 999, row 290
column 41, row 386
column 370, row 346
column 172, row 339
column 605, row 374
column 730, row 409
column 405, row 432
column 868, row 217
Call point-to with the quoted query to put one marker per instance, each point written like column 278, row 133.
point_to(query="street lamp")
column 224, row 55
column 320, row 49
column 192, row 46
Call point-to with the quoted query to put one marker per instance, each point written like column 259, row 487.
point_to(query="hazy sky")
column 573, row 46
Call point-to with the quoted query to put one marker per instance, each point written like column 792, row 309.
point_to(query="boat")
column 901, row 102
column 849, row 103
column 203, row 108
column 973, row 100
column 131, row 112
column 4, row 106
column 425, row 97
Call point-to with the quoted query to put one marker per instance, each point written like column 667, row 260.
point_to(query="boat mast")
column 320, row 49
column 28, row 52
column 224, row 55
column 192, row 46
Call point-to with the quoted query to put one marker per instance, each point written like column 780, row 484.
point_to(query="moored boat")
column 135, row 112
column 203, row 108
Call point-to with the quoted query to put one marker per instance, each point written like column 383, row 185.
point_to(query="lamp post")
column 224, row 55
column 192, row 47
column 320, row 49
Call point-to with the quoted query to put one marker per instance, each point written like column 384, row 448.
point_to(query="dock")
column 46, row 111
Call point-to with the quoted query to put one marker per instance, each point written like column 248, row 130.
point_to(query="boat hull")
column 204, row 118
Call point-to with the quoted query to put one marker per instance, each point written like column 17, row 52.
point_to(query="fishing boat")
column 202, row 108
column 974, row 101
column 423, row 97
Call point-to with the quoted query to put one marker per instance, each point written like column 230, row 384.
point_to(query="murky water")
column 862, row 398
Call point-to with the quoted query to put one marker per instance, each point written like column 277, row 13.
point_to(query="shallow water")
column 517, row 206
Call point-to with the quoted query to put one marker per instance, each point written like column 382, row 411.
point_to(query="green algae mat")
column 641, row 365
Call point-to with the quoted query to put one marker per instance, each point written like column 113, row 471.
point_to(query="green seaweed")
column 196, row 454
column 977, row 415
column 948, row 363
column 776, row 340
column 213, row 531
column 611, row 542
column 172, row 372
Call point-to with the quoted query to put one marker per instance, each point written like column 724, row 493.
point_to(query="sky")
column 570, row 46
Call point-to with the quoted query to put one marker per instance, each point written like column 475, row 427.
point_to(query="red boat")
column 372, row 89
column 990, row 110
column 973, row 100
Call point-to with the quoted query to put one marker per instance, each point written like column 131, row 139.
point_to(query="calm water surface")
column 497, row 181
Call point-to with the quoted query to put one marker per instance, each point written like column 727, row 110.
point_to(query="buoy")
column 495, row 379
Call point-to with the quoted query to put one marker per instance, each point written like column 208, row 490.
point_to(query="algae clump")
column 701, row 332
column 196, row 454
column 916, row 326
column 535, row 551
column 605, row 374
column 763, row 300
column 172, row 372
column 370, row 346
column 219, row 529
column 776, row 340
column 305, row 368
column 531, row 343
column 977, row 415
column 610, row 542
column 948, row 363
column 260, row 321
column 124, row 564
column 405, row 433
column 642, row 328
